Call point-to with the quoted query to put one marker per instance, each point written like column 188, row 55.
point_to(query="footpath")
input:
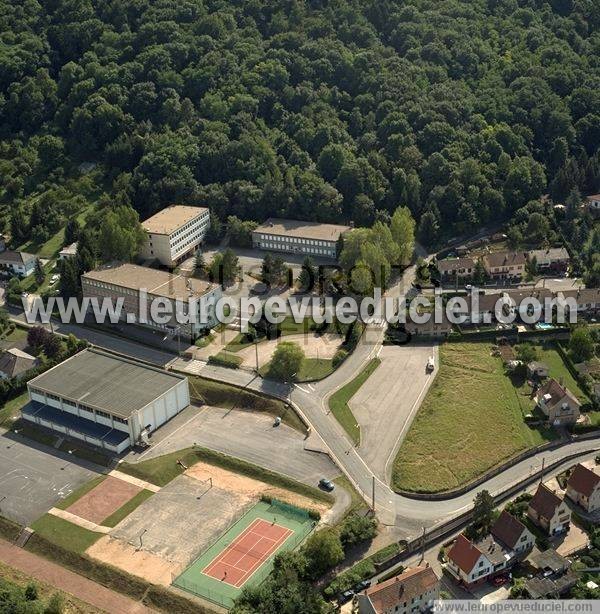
column 69, row 582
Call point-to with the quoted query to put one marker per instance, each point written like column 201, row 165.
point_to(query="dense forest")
column 462, row 110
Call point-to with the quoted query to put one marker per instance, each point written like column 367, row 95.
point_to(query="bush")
column 345, row 581
column 339, row 358
column 56, row 604
column 314, row 515
column 225, row 359
column 356, row 529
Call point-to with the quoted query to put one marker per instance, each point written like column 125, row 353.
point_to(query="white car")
column 430, row 365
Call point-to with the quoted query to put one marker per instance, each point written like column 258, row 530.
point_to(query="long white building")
column 295, row 237
column 105, row 400
column 174, row 234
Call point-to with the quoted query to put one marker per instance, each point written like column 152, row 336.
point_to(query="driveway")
column 34, row 478
column 388, row 401
column 243, row 434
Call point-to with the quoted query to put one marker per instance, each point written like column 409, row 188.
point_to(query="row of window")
column 307, row 250
column 294, row 240
column 87, row 408
column 188, row 237
column 204, row 220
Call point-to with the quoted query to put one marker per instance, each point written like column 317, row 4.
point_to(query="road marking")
column 303, row 389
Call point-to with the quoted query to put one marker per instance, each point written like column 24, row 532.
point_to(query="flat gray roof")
column 303, row 230
column 110, row 383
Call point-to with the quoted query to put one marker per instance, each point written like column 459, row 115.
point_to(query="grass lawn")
column 162, row 469
column 338, row 401
column 558, row 370
column 65, row 534
column 218, row 394
column 53, row 245
column 133, row 503
column 17, row 334
column 202, row 342
column 80, row 492
column 239, row 342
column 471, row 420
column 226, row 359
column 312, row 369
column 10, row 409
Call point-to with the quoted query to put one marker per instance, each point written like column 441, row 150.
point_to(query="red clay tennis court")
column 247, row 552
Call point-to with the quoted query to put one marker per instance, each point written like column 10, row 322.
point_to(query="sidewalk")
column 69, row 582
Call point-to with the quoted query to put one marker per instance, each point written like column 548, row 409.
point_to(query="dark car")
column 345, row 597
column 361, row 586
column 327, row 485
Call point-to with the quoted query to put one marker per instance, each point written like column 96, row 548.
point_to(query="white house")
column 549, row 511
column 583, row 488
column 414, row 590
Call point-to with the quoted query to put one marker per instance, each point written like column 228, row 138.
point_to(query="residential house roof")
column 545, row 502
column 583, row 480
column 304, row 230
column 593, row 197
column 550, row 255
column 464, row 553
column 583, row 296
column 171, row 218
column 14, row 362
column 500, row 259
column 535, row 365
column 10, row 256
column 557, row 393
column 412, row 583
column 493, row 550
column 508, row 529
column 548, row 560
column 455, row 264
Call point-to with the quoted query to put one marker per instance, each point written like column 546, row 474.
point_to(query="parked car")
column 430, row 365
column 345, row 597
column 326, row 484
column 361, row 586
column 501, row 580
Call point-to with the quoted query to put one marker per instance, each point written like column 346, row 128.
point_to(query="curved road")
column 409, row 516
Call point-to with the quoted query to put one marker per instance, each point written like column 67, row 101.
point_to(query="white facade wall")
column 294, row 245
column 169, row 249
column 161, row 410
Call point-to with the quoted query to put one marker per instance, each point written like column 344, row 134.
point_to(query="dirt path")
column 69, row 582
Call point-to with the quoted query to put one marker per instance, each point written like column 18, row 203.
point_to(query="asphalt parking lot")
column 388, row 401
column 33, row 480
column 245, row 434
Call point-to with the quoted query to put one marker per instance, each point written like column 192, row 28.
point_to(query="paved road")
column 245, row 434
column 34, row 478
column 407, row 514
column 105, row 340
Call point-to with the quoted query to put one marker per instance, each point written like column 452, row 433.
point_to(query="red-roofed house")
column 415, row 590
column 549, row 511
column 559, row 404
column 513, row 534
column 467, row 563
column 583, row 488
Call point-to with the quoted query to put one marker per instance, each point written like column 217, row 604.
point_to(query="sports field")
column 243, row 555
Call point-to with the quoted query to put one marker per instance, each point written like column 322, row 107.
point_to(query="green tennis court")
column 243, row 555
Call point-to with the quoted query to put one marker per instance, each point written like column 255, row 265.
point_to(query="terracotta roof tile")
column 464, row 554
column 583, row 480
column 411, row 583
column 508, row 529
column 545, row 502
